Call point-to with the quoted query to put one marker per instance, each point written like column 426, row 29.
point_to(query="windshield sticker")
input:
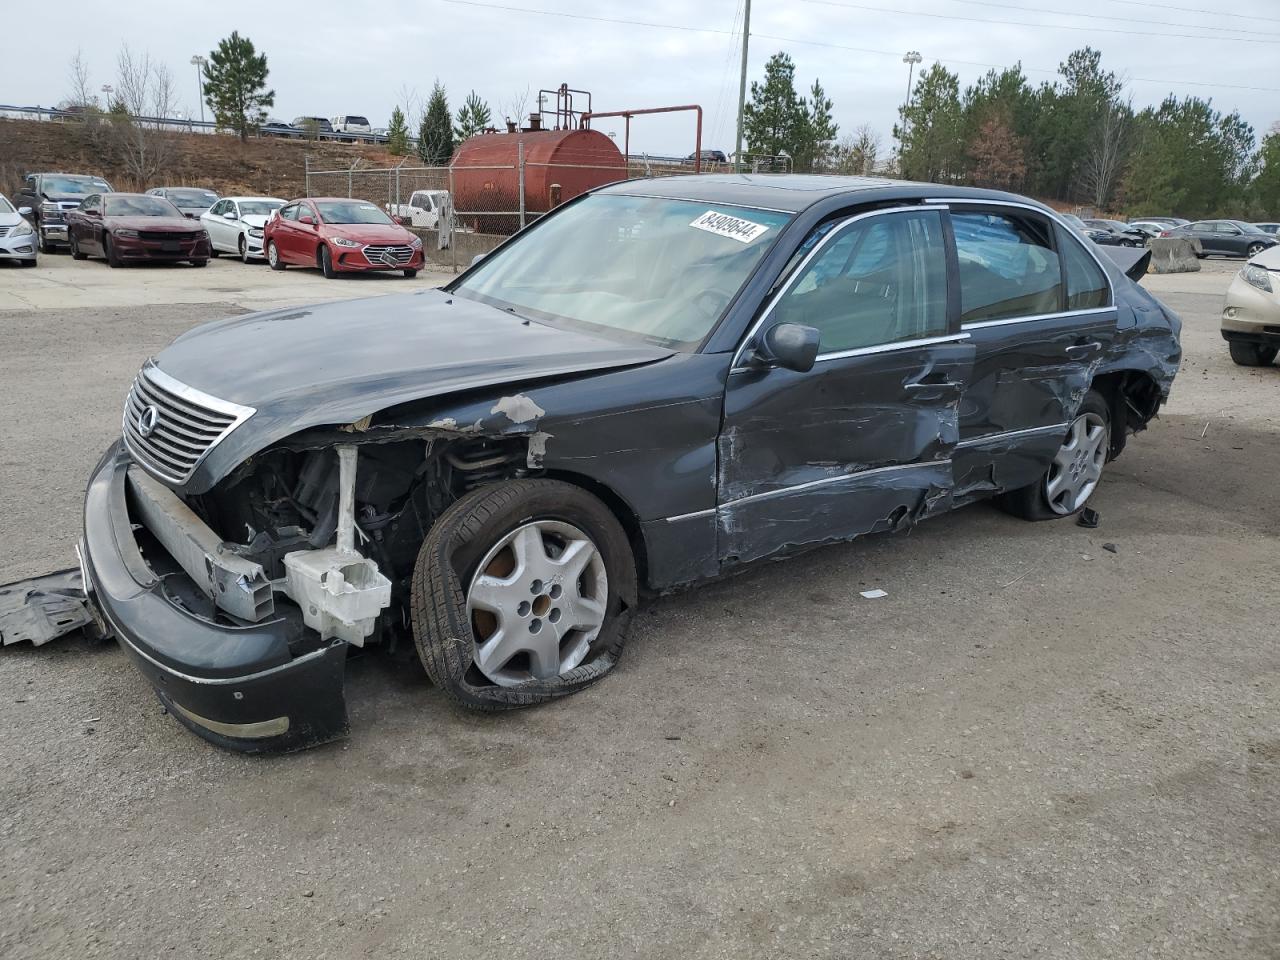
column 735, row 228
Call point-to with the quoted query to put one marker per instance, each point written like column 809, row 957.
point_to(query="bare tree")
column 144, row 97
column 81, row 93
column 516, row 107
column 856, row 155
column 1105, row 158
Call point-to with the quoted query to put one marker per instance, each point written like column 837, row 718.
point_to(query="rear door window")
column 1008, row 266
column 1087, row 285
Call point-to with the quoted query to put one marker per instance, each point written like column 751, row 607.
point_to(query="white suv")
column 351, row 124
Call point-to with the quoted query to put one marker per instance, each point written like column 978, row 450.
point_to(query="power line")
column 1024, row 23
column 1023, row 8
column 1209, row 13
column 833, row 46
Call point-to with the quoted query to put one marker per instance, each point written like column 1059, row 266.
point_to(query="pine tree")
column 235, row 85
column 473, row 117
column 775, row 117
column 435, row 132
column 397, row 134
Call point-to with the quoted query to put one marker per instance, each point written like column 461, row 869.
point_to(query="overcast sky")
column 357, row 57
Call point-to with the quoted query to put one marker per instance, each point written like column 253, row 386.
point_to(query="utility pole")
column 742, row 83
column 198, row 62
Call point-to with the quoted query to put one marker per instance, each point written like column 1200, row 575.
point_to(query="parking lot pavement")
column 58, row 282
column 1033, row 746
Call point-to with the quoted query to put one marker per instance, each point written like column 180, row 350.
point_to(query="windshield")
column 350, row 211
column 648, row 268
column 259, row 208
column 73, row 185
column 139, row 207
column 193, row 198
column 6, row 206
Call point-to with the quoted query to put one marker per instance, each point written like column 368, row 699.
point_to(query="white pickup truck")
column 422, row 210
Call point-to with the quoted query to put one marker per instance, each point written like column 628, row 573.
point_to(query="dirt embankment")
column 260, row 166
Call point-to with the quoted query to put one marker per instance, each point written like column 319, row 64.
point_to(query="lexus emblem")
column 147, row 421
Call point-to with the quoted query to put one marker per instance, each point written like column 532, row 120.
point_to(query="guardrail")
column 184, row 125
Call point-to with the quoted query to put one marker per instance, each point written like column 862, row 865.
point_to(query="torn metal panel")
column 45, row 608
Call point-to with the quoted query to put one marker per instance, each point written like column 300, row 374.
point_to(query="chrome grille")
column 169, row 427
column 391, row 255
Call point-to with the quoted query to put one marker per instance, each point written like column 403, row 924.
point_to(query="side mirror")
column 792, row 346
column 307, row 219
column 24, row 211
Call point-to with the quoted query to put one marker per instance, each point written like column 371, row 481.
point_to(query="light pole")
column 199, row 62
column 742, row 86
column 911, row 58
column 108, row 89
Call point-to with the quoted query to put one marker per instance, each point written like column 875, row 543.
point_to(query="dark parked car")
column 134, row 227
column 316, row 127
column 192, row 201
column 1098, row 235
column 708, row 156
column 1227, row 238
column 656, row 383
column 50, row 196
column 1128, row 236
column 278, row 128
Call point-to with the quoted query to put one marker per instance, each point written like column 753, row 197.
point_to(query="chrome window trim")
column 800, row 268
column 891, row 347
column 238, row 412
column 1010, row 435
column 1055, row 218
column 808, row 484
column 1005, row 321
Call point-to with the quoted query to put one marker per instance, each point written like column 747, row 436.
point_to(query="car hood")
column 1269, row 258
column 170, row 224
column 369, row 232
column 337, row 363
column 11, row 219
column 255, row 219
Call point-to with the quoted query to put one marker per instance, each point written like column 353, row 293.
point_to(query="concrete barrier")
column 1174, row 255
column 466, row 246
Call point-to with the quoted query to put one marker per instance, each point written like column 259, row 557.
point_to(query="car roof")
column 238, row 199
column 72, row 176
column 793, row 192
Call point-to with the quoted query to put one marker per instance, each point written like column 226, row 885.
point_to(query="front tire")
column 1072, row 477
column 410, row 274
column 199, row 263
column 244, row 249
column 326, row 263
column 523, row 592
column 109, row 249
column 1252, row 354
column 273, row 256
column 76, row 252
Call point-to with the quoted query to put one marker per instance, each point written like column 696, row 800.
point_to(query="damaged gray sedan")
column 657, row 383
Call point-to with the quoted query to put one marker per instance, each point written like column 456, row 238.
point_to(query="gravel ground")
column 1033, row 746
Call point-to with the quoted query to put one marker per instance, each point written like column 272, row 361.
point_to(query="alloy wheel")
column 1077, row 467
column 536, row 602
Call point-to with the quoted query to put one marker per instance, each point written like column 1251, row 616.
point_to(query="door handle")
column 937, row 384
column 1078, row 351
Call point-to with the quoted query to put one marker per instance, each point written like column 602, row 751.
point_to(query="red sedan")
column 340, row 235
column 134, row 227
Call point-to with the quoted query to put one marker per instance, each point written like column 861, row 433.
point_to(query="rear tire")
column 1064, row 489
column 1252, row 354
column 465, row 535
column 273, row 256
column 1255, row 249
column 326, row 263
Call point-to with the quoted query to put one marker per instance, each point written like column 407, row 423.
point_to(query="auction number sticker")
column 723, row 225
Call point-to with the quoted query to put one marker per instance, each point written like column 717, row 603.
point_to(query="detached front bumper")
column 241, row 687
